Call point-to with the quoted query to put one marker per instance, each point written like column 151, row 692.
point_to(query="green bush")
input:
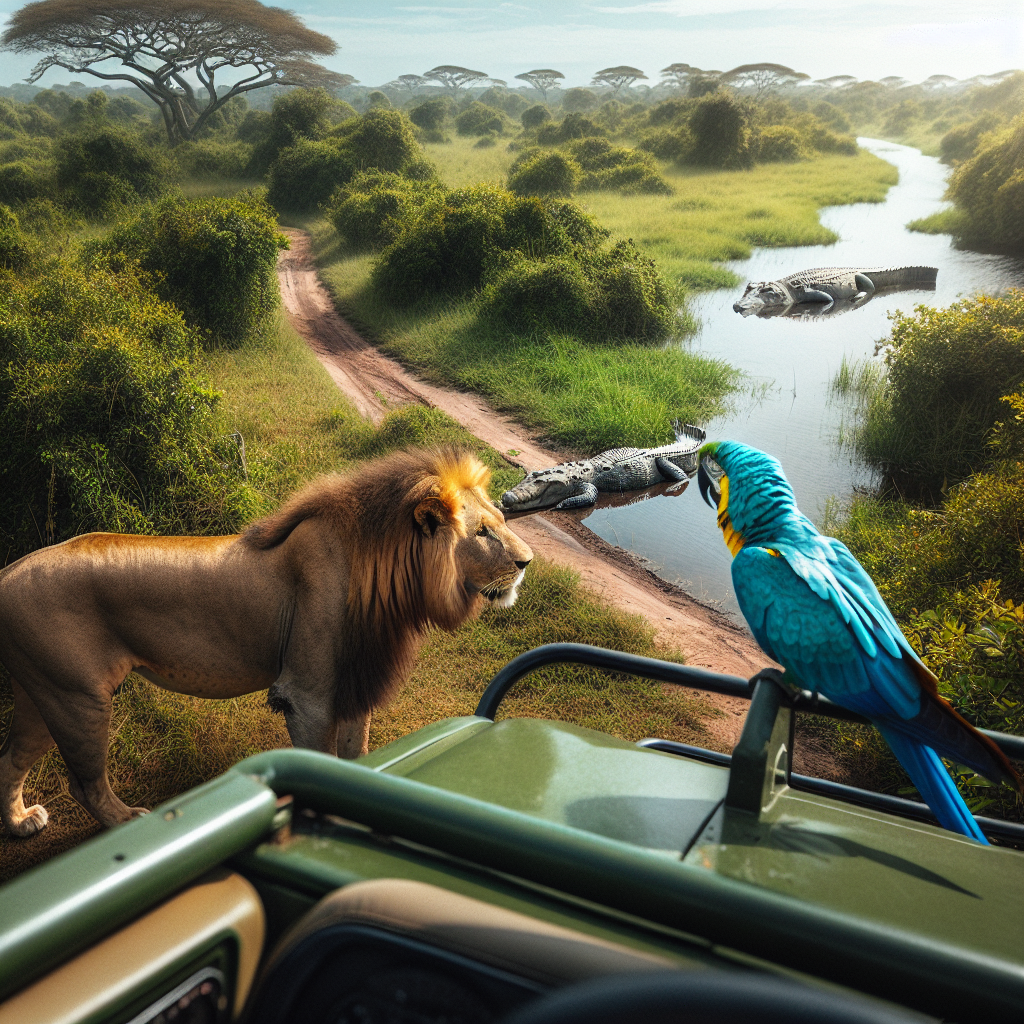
column 303, row 176
column 720, row 136
column 297, row 115
column 573, row 126
column 19, row 183
column 617, row 169
column 511, row 103
column 474, row 231
column 213, row 258
column 380, row 138
column 826, row 141
column 376, row 207
column 669, row 112
column 378, row 99
column 989, row 189
column 545, row 174
column 14, row 250
column 211, row 158
column 612, row 296
column 105, row 417
column 946, row 373
column 579, row 100
column 779, row 143
column 106, row 169
column 432, row 115
column 535, row 116
column 961, row 141
column 667, row 143
column 480, row 119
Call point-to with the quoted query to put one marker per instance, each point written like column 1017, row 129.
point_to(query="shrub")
column 947, row 371
column 573, row 126
column 545, row 174
column 104, row 415
column 105, row 169
column 599, row 296
column 989, row 189
column 479, row 119
column 667, row 143
column 14, row 252
column 209, row 158
column 296, row 115
column 827, row 141
column 669, row 112
column 19, row 183
column 579, row 100
column 719, row 131
column 378, row 99
column 377, row 206
column 779, row 143
column 304, row 175
column 961, row 141
column 474, row 231
column 380, row 138
column 213, row 258
column 617, row 169
column 432, row 115
column 535, row 116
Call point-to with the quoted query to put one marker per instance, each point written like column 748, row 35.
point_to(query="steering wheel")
column 702, row 997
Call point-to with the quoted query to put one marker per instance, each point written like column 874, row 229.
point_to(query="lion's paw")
column 34, row 821
column 138, row 812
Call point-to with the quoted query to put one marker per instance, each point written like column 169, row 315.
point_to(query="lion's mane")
column 403, row 576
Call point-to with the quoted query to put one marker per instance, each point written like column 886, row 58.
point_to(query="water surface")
column 785, row 407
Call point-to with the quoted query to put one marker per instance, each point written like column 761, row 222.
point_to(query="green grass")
column 945, row 222
column 722, row 215
column 296, row 424
column 582, row 396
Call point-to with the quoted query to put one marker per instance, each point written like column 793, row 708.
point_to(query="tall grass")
column 584, row 396
column 296, row 424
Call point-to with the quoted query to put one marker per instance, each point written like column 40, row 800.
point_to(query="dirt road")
column 708, row 638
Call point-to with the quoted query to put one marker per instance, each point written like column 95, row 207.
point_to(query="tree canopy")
column 763, row 78
column 678, row 74
column 452, row 77
column 173, row 49
column 541, row 79
column 618, row 77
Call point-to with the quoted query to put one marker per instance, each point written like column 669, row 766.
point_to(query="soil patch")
column 376, row 383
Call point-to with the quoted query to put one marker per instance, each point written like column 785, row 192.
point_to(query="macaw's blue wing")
column 841, row 641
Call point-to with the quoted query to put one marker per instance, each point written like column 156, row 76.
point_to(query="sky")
column 382, row 39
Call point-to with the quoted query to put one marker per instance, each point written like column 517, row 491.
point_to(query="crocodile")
column 829, row 288
column 575, row 484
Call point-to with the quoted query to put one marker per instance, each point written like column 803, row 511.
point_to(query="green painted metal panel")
column 51, row 912
column 578, row 777
column 903, row 874
column 906, row 965
column 436, row 737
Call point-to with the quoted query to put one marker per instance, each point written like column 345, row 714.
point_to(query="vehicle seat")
column 395, row 950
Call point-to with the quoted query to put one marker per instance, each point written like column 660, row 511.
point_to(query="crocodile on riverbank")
column 575, row 484
column 828, row 287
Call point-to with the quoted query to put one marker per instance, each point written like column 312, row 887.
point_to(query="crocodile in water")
column 830, row 289
column 575, row 484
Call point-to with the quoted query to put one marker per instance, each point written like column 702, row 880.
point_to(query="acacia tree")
column 763, row 78
column 836, row 81
column 618, row 77
column 541, row 79
column 168, row 47
column 406, row 83
column 452, row 77
column 678, row 75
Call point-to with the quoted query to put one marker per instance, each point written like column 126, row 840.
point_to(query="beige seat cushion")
column 500, row 938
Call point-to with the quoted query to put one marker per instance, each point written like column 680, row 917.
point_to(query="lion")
column 324, row 603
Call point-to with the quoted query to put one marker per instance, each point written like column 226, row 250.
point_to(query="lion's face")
column 471, row 549
column 492, row 558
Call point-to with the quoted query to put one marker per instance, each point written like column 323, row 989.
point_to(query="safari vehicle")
column 475, row 869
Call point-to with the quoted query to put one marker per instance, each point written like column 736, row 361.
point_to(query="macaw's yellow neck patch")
column 733, row 541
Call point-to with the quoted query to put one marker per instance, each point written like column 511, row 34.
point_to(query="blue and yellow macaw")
column 813, row 608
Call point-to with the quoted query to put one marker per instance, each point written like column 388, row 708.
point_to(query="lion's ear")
column 431, row 513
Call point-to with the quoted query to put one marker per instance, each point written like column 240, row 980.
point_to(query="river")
column 785, row 406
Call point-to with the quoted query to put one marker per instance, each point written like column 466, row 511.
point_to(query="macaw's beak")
column 708, row 474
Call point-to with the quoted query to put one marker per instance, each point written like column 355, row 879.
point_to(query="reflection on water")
column 785, row 407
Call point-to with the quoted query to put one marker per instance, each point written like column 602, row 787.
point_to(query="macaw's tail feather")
column 933, row 782
column 939, row 725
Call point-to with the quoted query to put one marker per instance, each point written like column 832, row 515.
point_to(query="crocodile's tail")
column 688, row 432
column 889, row 277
